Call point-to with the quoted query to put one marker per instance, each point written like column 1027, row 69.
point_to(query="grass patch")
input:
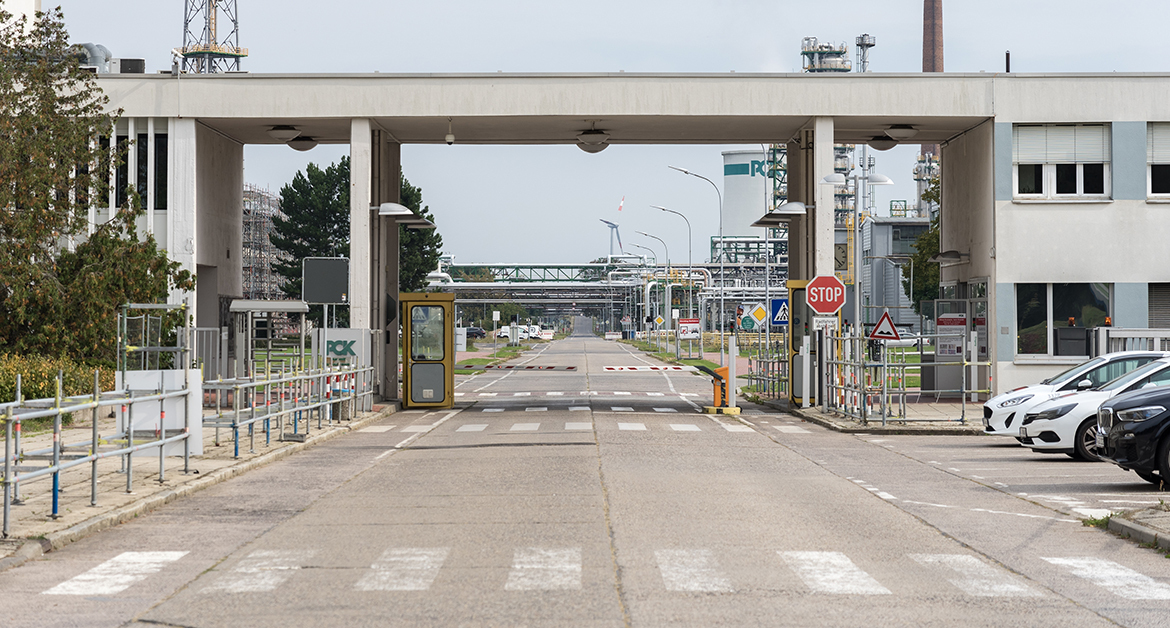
column 1099, row 522
column 477, row 361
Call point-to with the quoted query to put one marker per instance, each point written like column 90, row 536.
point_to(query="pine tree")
column 419, row 249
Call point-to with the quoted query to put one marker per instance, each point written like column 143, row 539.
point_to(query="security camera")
column 450, row 139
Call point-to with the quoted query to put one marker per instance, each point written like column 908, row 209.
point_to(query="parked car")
column 1003, row 414
column 502, row 332
column 1068, row 423
column 1133, row 432
column 476, row 332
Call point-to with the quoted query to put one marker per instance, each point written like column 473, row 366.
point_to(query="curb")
column 897, row 430
column 35, row 548
column 1139, row 532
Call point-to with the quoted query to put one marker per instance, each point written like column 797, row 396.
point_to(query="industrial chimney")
column 932, row 48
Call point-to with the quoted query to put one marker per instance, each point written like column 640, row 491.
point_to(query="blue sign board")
column 780, row 311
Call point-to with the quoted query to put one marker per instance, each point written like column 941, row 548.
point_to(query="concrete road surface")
column 593, row 498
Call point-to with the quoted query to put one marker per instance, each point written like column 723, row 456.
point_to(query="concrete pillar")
column 798, row 227
column 360, row 156
column 822, row 236
column 181, row 222
column 386, row 163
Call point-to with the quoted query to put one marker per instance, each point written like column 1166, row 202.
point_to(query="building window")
column 1061, row 161
column 1044, row 307
column 1158, row 159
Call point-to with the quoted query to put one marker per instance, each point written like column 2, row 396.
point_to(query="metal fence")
column 22, row 466
column 1111, row 339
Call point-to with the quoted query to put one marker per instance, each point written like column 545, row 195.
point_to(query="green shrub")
column 39, row 377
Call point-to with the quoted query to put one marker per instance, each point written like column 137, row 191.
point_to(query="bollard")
column 732, row 354
column 93, row 472
column 57, row 451
column 804, row 368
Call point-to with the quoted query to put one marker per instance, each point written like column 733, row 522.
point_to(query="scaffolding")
column 925, row 169
column 261, row 283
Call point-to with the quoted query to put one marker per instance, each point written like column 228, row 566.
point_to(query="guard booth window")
column 426, row 332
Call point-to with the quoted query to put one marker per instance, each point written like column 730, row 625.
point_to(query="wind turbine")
column 613, row 230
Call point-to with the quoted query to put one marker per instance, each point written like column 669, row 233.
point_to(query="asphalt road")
column 594, row 498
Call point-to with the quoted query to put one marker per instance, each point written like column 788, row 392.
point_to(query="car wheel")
column 1164, row 458
column 1085, row 440
column 1152, row 478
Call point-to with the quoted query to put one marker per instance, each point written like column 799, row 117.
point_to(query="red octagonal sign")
column 825, row 294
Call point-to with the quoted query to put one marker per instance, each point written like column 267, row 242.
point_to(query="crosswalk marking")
column 691, row 570
column 632, row 427
column 525, row 427
column 621, row 393
column 536, row 409
column 653, row 394
column 377, row 428
column 684, row 427
column 117, row 574
column 578, row 426
column 488, row 394
column 416, row 428
column 261, row 571
column 493, row 409
column 665, row 410
column 976, row 577
column 472, row 427
column 522, row 394
column 404, row 569
column 554, row 394
column 791, row 429
column 621, row 409
column 459, row 394
column 1120, row 580
column 734, row 427
column 545, row 569
column 832, row 572
column 578, row 408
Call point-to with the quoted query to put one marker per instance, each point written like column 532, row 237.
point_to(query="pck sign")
column 340, row 347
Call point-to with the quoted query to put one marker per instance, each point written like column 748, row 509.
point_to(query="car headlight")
column 1140, row 414
column 1015, row 401
column 1055, row 413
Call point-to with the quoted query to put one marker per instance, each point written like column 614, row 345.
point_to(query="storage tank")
column 745, row 191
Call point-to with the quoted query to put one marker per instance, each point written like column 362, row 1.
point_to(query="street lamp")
column 871, row 179
column 650, row 250
column 690, row 267
column 722, row 276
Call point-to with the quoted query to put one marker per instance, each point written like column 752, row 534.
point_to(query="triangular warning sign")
column 885, row 329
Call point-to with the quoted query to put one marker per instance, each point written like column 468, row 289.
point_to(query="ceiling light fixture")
column 901, row 132
column 450, row 139
column 303, row 143
column 881, row 142
column 283, row 132
column 593, row 140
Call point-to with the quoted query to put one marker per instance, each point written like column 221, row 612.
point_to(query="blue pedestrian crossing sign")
column 780, row 311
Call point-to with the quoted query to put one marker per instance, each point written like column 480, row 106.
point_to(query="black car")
column 1133, row 432
column 476, row 332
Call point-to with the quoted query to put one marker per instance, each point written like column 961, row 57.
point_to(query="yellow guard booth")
column 428, row 350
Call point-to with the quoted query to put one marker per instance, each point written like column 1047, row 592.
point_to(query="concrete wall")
column 219, row 211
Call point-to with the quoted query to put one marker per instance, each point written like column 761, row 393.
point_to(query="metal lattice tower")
column 260, row 280
column 204, row 50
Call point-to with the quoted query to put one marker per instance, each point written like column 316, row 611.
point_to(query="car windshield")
column 1064, row 376
column 1134, row 375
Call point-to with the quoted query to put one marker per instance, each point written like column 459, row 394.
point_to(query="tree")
column 315, row 224
column 419, row 249
column 55, row 159
column 926, row 272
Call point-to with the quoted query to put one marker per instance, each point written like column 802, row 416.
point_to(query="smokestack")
column 932, row 48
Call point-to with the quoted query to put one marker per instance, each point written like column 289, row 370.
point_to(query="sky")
column 541, row 204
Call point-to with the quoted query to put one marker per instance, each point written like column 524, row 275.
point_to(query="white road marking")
column 260, row 571
column 633, row 427
column 545, row 569
column 536, row 409
column 554, row 394
column 1093, row 513
column 588, row 393
column 377, row 428
column 472, row 427
column 791, row 429
column 525, row 427
column 654, row 394
column 621, row 409
column 493, row 409
column 578, row 408
column 488, row 394
column 621, row 393
column 885, row 495
column 1024, row 515
column 578, row 426
column 404, row 569
column 117, row 574
column 1118, row 579
column 384, row 454
column 832, row 572
column 459, row 394
column 731, row 427
column 416, row 428
column 691, row 570
column 522, row 394
column 665, row 410
column 976, row 577
column 684, row 427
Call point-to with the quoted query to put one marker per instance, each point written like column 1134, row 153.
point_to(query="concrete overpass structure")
column 1004, row 236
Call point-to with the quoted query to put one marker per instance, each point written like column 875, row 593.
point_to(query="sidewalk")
column 34, row 531
column 1150, row 526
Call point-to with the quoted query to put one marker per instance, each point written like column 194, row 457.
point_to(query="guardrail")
column 1111, row 339
column 58, row 456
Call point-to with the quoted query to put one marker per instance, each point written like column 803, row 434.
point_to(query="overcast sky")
column 486, row 199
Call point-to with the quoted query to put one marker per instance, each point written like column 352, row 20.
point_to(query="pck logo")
column 758, row 167
column 341, row 347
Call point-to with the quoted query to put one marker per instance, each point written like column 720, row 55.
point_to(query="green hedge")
column 39, row 377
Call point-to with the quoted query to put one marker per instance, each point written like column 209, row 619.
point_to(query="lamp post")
column 722, row 276
column 690, row 266
column 871, row 179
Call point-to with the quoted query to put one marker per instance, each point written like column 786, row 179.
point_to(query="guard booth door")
column 799, row 326
column 428, row 350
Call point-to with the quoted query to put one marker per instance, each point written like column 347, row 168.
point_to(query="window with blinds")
column 1160, row 306
column 1158, row 157
column 1061, row 160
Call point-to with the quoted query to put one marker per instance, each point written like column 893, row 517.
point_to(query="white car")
column 1002, row 414
column 1067, row 423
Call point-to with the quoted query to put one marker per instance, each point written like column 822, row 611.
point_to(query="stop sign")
column 825, row 294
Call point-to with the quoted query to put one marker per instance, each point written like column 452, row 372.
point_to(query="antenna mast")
column 204, row 52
